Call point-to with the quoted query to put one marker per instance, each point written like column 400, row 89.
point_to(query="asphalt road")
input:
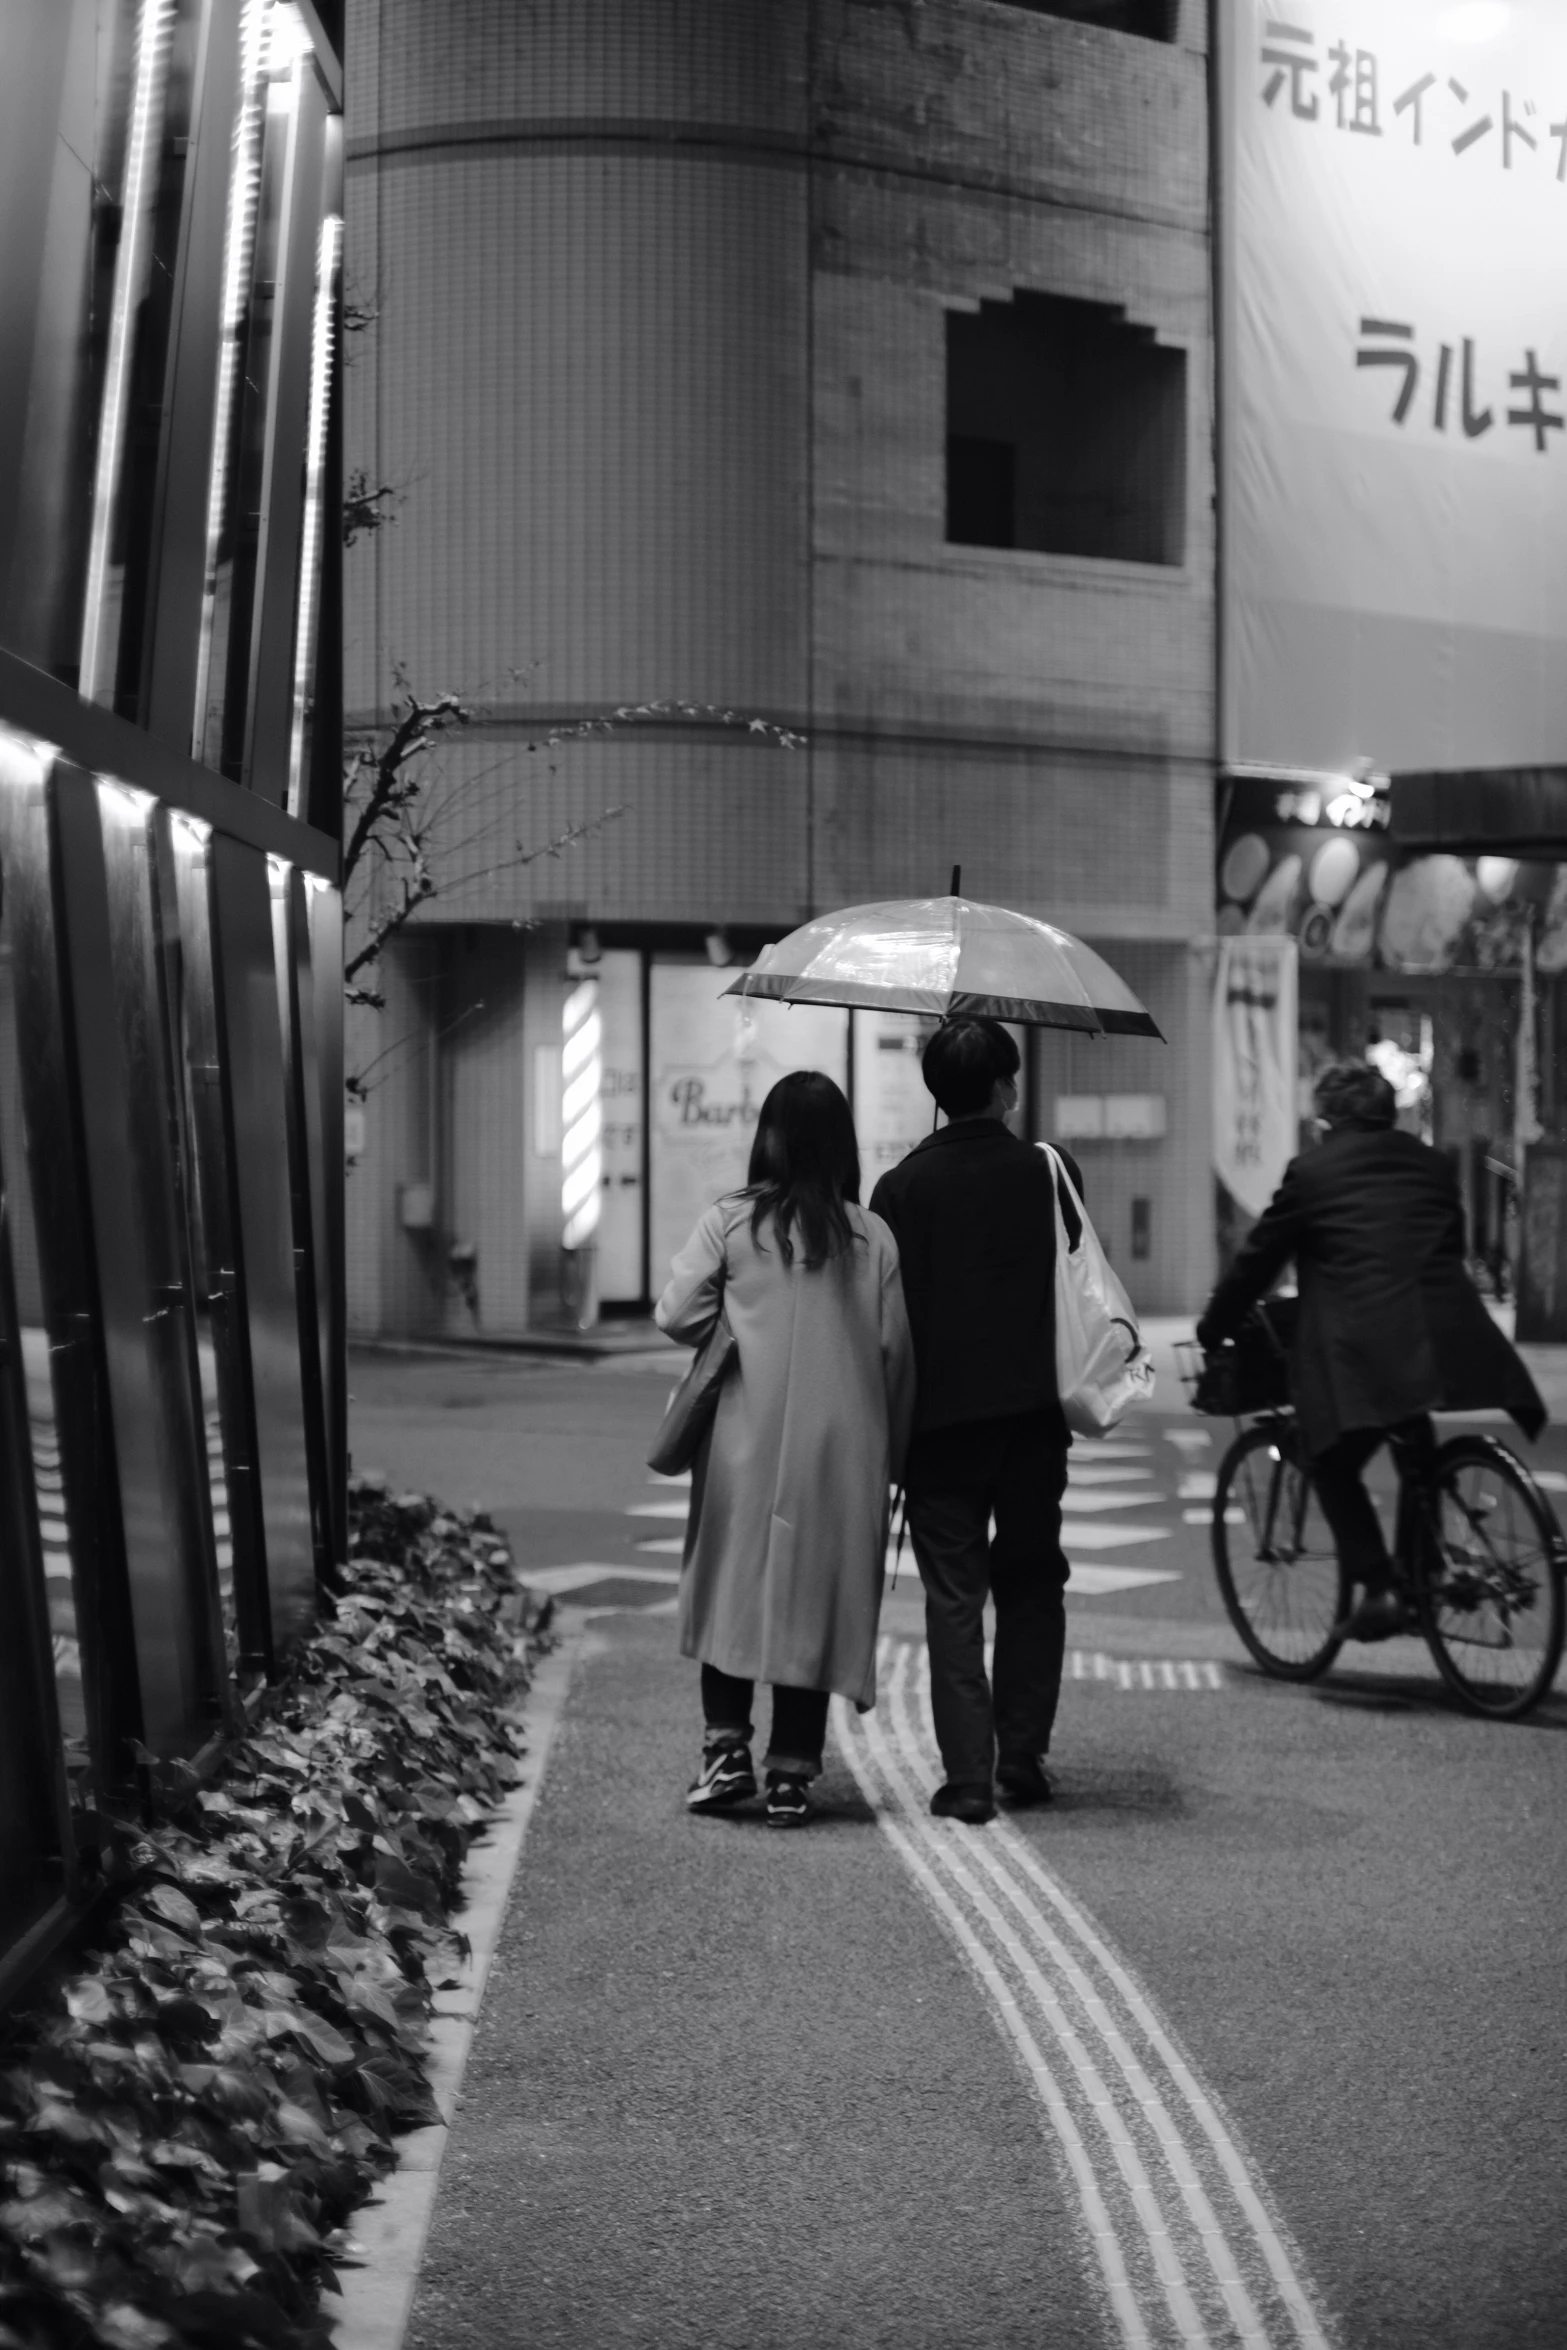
column 1255, row 2035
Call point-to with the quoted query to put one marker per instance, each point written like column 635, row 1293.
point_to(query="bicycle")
column 1478, row 1554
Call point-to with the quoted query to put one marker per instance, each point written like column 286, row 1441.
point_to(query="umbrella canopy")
column 947, row 956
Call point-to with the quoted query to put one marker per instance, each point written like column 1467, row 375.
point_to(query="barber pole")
column 581, row 1115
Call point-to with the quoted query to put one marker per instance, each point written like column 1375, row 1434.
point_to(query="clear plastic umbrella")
column 946, row 956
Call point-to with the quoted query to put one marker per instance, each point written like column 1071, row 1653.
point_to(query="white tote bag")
column 1102, row 1368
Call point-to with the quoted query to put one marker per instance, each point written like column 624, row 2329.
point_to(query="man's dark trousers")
column 958, row 1478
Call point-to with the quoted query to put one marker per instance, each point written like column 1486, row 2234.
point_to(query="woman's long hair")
column 805, row 1163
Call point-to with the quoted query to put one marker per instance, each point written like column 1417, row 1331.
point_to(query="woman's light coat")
column 787, row 1537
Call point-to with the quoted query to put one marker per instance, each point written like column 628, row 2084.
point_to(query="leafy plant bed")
column 191, row 2110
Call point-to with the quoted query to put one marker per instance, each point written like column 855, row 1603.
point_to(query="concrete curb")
column 389, row 2233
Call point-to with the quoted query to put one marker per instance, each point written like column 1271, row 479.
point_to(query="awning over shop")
column 1508, row 811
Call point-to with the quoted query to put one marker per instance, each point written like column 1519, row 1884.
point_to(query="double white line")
column 1185, row 2242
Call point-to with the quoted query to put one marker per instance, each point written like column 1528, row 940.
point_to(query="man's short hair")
column 965, row 1061
column 1352, row 1093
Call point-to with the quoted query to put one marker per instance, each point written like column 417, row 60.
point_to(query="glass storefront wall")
column 171, row 1445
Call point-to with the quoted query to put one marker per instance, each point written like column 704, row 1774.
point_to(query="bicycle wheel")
column 1490, row 1595
column 1275, row 1558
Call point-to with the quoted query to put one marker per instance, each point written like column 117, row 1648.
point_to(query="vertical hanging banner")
column 1255, row 1051
column 1393, row 316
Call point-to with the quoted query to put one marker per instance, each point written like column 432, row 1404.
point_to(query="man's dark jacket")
column 1390, row 1323
column 971, row 1211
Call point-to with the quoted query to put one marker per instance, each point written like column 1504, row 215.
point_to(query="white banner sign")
column 1254, row 1061
column 1394, row 339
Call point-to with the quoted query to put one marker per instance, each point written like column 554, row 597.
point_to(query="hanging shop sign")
column 1347, row 897
column 1306, row 860
column 1394, row 345
column 1255, row 1048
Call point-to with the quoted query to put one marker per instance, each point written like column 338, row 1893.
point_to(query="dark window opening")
column 981, row 491
column 1153, row 20
column 1066, row 432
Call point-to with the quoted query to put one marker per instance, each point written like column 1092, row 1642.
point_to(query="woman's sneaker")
column 788, row 1805
column 726, row 1777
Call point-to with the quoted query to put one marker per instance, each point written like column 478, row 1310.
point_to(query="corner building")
column 767, row 369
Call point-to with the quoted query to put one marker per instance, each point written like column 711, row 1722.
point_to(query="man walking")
column 972, row 1213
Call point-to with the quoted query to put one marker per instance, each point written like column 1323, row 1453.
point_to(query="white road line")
column 1106, row 2244
column 1094, row 1475
column 1076, row 1537
column 1266, row 2231
column 1237, row 2301
column 1072, row 1500
column 659, row 1509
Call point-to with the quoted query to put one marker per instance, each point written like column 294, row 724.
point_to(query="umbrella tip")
column 957, row 881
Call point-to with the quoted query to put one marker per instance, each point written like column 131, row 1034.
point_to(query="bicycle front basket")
column 1250, row 1372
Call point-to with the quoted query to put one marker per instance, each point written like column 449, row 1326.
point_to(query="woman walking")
column 787, row 1537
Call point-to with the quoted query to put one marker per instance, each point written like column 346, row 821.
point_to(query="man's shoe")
column 963, row 1800
column 1021, row 1779
column 1381, row 1615
column 788, row 1805
column 726, row 1777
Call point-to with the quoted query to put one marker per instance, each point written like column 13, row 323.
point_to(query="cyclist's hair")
column 965, row 1061
column 1352, row 1093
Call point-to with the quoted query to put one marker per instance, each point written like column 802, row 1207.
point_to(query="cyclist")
column 1391, row 1328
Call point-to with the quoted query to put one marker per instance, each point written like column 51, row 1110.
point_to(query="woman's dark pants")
column 1013, row 1470
column 799, row 1721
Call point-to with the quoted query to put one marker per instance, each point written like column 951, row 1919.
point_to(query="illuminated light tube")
column 315, row 474
column 124, row 801
column 581, row 1114
column 141, row 163
column 190, row 833
column 239, row 247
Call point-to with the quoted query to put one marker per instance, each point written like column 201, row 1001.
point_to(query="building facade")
column 795, row 425
column 172, row 1404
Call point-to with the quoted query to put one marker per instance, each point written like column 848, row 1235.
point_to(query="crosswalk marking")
column 1086, row 1504
column 1083, row 1664
column 1078, row 1537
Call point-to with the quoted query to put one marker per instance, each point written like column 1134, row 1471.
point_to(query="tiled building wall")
column 658, row 373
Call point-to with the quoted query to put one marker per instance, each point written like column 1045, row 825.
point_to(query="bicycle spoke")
column 1278, row 1570
column 1494, row 1605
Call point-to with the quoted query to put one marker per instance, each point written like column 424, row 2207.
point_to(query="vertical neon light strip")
column 239, row 247
column 315, row 471
column 581, row 1114
column 152, row 50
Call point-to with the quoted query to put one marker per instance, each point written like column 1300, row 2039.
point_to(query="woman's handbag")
column 694, row 1402
column 1102, row 1368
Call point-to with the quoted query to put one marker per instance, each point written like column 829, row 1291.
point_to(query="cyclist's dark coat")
column 1390, row 1323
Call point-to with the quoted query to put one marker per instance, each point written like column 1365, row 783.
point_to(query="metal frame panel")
column 40, row 705
column 37, row 37
column 77, row 1366
column 296, row 1023
column 189, row 854
column 121, row 1095
column 269, row 719
column 324, row 910
column 251, row 1058
column 185, row 458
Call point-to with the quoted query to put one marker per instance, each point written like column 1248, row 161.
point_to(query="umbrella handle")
column 957, row 881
